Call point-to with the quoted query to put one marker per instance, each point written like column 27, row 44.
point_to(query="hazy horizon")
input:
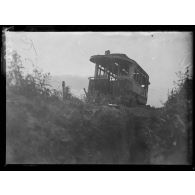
column 160, row 54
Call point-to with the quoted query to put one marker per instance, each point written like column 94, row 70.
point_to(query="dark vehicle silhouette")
column 119, row 79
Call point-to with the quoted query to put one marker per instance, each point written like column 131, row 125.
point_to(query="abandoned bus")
column 119, row 78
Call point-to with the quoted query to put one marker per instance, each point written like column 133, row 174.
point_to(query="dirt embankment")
column 42, row 131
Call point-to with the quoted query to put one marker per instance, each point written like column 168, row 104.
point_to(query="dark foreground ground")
column 53, row 132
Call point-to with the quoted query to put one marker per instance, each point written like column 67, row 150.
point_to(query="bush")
column 174, row 133
column 31, row 85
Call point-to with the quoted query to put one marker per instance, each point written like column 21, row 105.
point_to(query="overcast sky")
column 160, row 54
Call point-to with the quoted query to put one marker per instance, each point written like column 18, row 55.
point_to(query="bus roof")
column 111, row 60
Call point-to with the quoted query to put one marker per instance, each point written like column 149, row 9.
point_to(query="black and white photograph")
column 92, row 97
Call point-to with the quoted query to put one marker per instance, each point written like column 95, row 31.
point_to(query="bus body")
column 119, row 78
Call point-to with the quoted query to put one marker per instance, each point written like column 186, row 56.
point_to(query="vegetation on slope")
column 41, row 128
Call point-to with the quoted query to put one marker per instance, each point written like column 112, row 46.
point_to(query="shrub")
column 31, row 85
